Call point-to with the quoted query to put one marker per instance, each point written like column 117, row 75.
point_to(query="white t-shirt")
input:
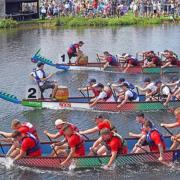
column 39, row 73
column 165, row 91
column 151, row 87
column 130, row 95
column 103, row 95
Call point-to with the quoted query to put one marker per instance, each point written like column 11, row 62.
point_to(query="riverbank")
column 89, row 22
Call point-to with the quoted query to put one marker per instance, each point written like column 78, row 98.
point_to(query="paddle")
column 99, row 60
column 53, row 148
column 82, row 93
column 170, row 133
column 114, row 95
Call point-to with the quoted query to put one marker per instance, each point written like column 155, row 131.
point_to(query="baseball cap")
column 40, row 64
column 92, row 81
column 59, row 122
column 158, row 82
column 125, row 84
column 147, row 80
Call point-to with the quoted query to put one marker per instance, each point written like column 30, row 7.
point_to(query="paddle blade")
column 62, row 67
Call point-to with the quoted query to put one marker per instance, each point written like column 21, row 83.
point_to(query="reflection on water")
column 16, row 48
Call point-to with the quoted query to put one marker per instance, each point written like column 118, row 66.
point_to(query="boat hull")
column 53, row 163
column 83, row 104
column 131, row 70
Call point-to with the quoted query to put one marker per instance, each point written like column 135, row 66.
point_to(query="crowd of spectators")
column 109, row 8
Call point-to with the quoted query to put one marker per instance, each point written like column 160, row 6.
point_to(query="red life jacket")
column 173, row 60
column 132, row 61
column 95, row 91
column 72, row 48
column 122, row 149
column 31, row 128
column 79, row 148
column 109, row 94
column 156, row 61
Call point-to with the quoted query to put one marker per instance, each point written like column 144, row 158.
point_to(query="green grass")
column 69, row 22
column 8, row 23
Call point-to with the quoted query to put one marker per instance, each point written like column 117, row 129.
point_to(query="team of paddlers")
column 25, row 140
column 150, row 58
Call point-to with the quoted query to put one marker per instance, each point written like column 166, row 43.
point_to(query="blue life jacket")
column 113, row 60
column 148, row 137
column 37, row 144
column 38, row 80
column 134, row 97
column 131, row 86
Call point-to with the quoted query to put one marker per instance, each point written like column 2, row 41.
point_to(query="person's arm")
column 7, row 140
column 168, row 99
column 106, row 65
column 98, row 99
column 172, row 84
column 85, row 88
column 128, row 66
column 5, row 134
column 53, row 136
column 111, row 160
column 170, row 125
column 90, row 131
column 161, row 152
column 98, row 141
column 69, row 157
column 123, row 102
column 142, row 89
column 135, row 135
column 20, row 155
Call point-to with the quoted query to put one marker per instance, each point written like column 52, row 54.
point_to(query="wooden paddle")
column 114, row 94
column 82, row 93
column 53, row 148
column 99, row 60
column 170, row 133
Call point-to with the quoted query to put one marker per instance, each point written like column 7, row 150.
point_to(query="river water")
column 18, row 45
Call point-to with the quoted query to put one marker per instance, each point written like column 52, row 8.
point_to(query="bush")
column 8, row 23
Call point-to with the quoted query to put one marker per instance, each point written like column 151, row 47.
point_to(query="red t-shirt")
column 76, row 141
column 115, row 145
column 28, row 143
column 156, row 137
column 61, row 132
column 104, row 124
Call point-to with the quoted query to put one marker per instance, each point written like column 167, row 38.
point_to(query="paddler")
column 106, row 95
column 130, row 61
column 140, row 119
column 154, row 139
column 74, row 50
column 30, row 145
column 171, row 59
column 25, row 127
column 175, row 85
column 149, row 88
column 108, row 59
column 174, row 138
column 151, row 60
column 91, row 87
column 75, row 143
column 59, row 146
column 128, row 95
column 42, row 80
column 101, row 123
column 163, row 93
column 121, row 81
column 114, row 145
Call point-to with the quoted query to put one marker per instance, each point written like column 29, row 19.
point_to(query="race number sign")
column 32, row 92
